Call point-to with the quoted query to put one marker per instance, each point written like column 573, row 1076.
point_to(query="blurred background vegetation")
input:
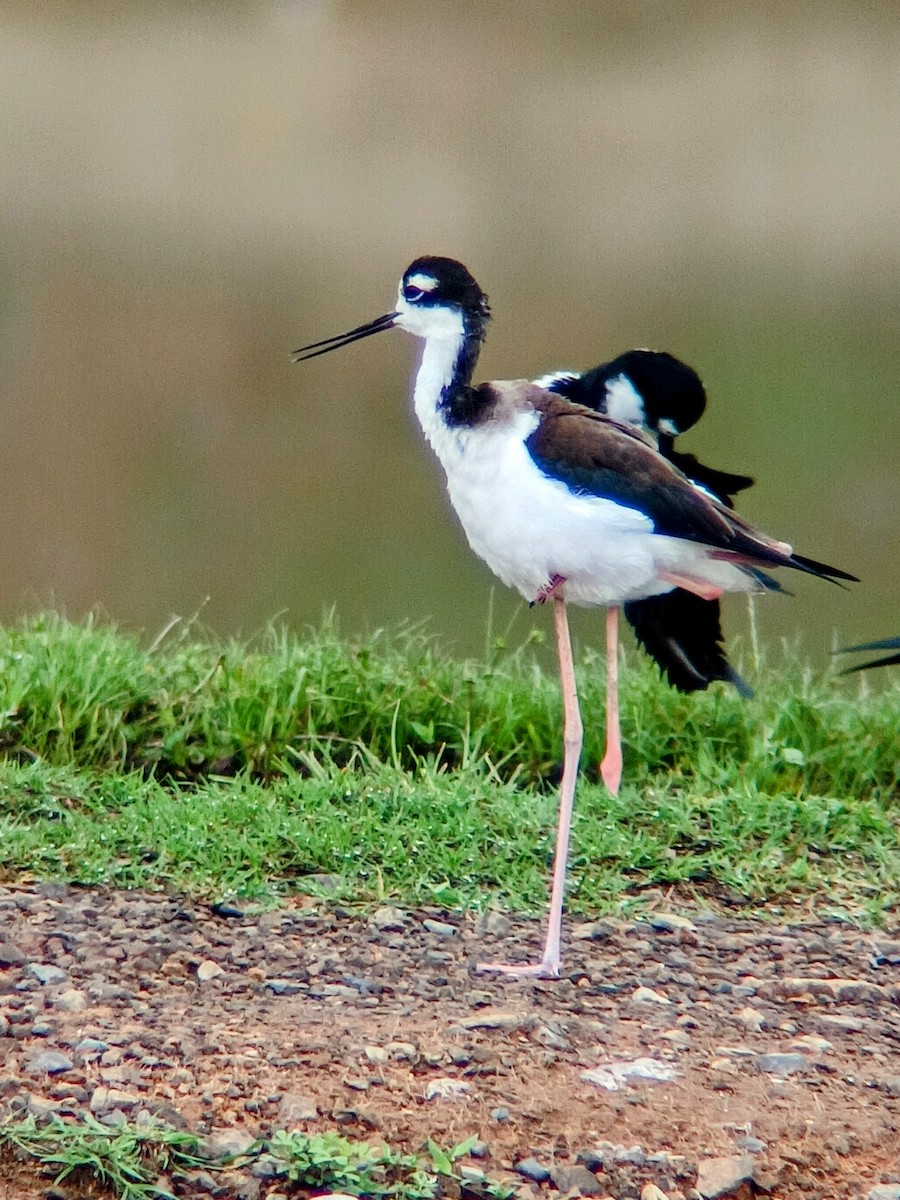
column 191, row 190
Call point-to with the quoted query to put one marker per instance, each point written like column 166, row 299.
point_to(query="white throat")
column 439, row 357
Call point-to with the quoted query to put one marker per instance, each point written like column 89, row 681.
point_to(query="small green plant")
column 444, row 1159
column 127, row 1159
column 327, row 1160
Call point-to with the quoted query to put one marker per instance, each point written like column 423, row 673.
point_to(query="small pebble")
column 530, row 1168
column 46, row 973
column 90, row 1045
column 389, row 919
column 71, row 1000
column 752, row 1018
column 753, row 1145
column 447, row 1089
column 284, row 987
column 781, row 1064
column 492, row 922
column 651, row 1192
column 48, row 1062
column 646, row 995
column 440, row 928
column 670, row 923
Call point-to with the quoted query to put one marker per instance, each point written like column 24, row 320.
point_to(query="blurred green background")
column 191, row 190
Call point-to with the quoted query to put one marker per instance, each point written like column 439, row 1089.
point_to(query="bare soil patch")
column 782, row 1041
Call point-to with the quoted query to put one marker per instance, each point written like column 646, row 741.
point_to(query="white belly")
column 529, row 528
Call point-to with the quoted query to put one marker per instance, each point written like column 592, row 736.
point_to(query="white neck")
column 436, row 371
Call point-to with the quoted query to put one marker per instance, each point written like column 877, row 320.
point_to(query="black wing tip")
column 822, row 570
column 892, row 660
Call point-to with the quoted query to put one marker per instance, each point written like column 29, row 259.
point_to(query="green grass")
column 129, row 1160
column 226, row 768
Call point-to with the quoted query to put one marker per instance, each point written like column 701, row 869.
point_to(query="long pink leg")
column 611, row 767
column 573, row 734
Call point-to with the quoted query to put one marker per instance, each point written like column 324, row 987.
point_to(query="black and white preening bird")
column 889, row 660
column 664, row 397
column 562, row 503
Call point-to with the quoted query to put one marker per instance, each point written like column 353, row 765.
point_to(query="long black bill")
column 344, row 339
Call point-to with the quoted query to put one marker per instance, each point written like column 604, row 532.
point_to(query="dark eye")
column 412, row 293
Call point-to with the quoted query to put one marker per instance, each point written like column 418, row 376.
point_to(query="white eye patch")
column 423, row 283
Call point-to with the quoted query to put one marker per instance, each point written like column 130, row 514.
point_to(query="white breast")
column 529, row 528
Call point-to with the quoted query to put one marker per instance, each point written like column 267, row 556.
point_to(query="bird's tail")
column 891, row 660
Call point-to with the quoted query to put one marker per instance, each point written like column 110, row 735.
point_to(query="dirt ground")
column 773, row 1048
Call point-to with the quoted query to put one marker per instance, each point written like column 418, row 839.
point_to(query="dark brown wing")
column 596, row 456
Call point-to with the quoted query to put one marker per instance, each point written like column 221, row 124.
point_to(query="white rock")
column 651, row 1192
column 646, row 995
column 402, row 1051
column 670, row 922
column 677, row 1037
column 751, row 1018
column 71, row 1000
column 614, row 1076
column 46, row 973
column 447, row 1089
column 812, row 1041
column 496, row 1018
column 389, row 919
column 209, row 969
column 723, row 1176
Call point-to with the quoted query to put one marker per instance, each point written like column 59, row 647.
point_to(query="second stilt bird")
column 664, row 397
column 562, row 503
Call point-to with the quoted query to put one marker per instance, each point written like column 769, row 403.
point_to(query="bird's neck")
column 443, row 396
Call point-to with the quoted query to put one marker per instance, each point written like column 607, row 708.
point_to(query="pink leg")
column 573, row 732
column 611, row 767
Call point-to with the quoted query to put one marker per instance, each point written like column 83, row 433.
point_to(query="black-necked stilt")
column 890, row 660
column 658, row 393
column 562, row 503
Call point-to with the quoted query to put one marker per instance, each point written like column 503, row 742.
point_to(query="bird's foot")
column 549, row 590
column 541, row 970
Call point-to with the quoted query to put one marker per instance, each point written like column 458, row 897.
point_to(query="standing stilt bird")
column 562, row 503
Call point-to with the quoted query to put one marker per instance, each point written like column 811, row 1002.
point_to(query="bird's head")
column 437, row 298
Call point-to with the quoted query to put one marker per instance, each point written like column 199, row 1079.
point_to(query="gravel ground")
column 696, row 1053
